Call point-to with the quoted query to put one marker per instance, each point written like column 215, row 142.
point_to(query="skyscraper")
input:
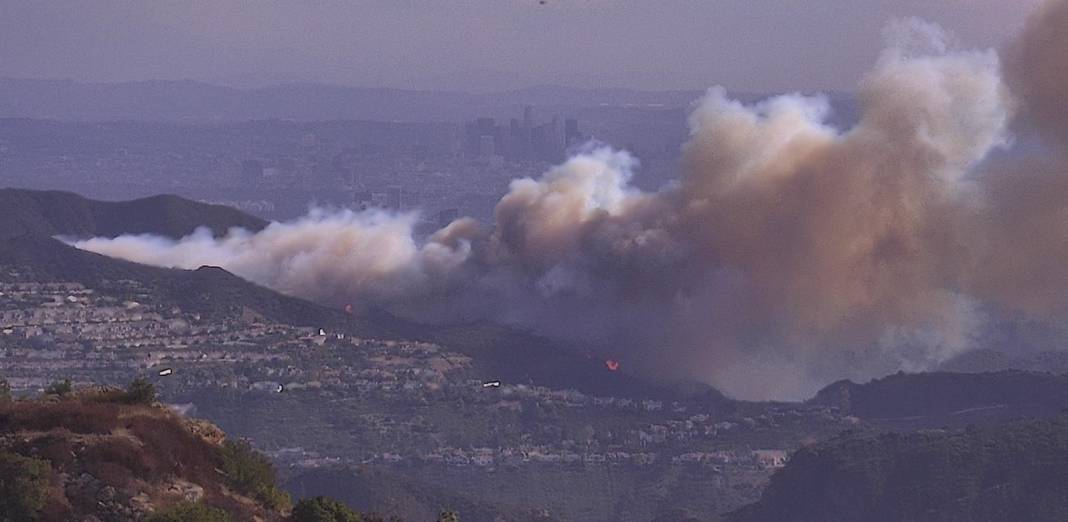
column 572, row 136
column 393, row 198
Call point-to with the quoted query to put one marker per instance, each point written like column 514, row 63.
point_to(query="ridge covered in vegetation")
column 112, row 454
column 1013, row 471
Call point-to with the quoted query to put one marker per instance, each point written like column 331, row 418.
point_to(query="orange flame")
column 612, row 364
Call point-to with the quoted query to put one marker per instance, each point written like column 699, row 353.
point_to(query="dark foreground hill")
column 52, row 213
column 90, row 456
column 1014, row 471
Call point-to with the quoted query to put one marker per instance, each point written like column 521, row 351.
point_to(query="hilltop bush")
column 140, row 391
column 23, row 486
column 60, row 389
column 5, row 390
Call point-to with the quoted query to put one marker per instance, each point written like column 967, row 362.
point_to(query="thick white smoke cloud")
column 327, row 256
column 787, row 254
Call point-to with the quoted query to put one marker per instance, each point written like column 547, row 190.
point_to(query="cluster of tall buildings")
column 392, row 199
column 521, row 140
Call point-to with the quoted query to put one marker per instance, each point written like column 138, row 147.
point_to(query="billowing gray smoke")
column 787, row 254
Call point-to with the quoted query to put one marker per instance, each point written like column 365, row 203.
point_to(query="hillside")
column 513, row 356
column 383, row 404
column 1010, row 472
column 90, row 456
column 52, row 213
column 32, row 255
column 209, row 291
column 29, row 219
column 216, row 294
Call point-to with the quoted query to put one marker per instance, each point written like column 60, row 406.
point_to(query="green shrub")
column 141, row 391
column 449, row 516
column 323, row 509
column 189, row 512
column 246, row 469
column 23, row 486
column 60, row 389
column 5, row 390
column 250, row 473
column 274, row 498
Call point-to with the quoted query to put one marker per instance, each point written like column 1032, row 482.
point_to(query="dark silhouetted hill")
column 1013, row 472
column 54, row 213
column 941, row 398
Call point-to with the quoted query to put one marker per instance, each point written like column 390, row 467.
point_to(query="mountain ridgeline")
column 54, row 213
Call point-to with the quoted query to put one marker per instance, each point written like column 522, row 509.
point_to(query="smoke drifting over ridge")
column 787, row 254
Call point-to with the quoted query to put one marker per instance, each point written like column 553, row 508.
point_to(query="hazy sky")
column 477, row 44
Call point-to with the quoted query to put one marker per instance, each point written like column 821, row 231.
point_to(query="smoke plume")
column 787, row 254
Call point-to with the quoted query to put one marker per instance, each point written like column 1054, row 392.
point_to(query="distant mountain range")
column 196, row 101
column 190, row 100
